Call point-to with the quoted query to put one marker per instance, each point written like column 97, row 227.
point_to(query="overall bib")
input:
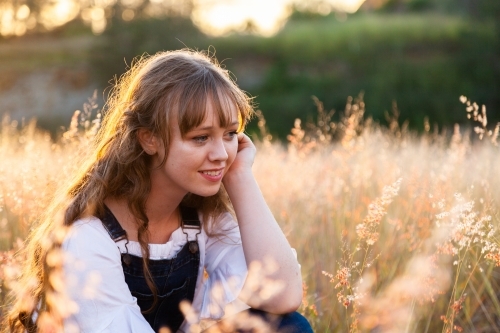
column 175, row 279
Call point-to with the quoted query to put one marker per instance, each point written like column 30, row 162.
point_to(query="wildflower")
column 342, row 277
column 367, row 229
column 457, row 305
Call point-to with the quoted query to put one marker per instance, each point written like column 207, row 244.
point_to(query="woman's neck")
column 163, row 218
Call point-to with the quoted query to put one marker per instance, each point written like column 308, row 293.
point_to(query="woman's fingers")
column 244, row 141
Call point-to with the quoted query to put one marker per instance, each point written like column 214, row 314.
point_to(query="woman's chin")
column 207, row 192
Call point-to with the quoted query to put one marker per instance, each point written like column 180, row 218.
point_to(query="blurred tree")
column 471, row 8
column 115, row 49
column 25, row 16
column 370, row 5
column 478, row 11
column 491, row 9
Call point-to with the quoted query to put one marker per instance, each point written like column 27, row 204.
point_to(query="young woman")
column 166, row 198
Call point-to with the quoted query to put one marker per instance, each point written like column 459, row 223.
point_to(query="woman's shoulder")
column 87, row 225
column 222, row 229
column 219, row 223
column 227, row 219
column 88, row 234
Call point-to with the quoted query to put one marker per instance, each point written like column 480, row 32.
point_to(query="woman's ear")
column 148, row 141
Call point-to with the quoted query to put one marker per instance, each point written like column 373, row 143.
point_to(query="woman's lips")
column 212, row 175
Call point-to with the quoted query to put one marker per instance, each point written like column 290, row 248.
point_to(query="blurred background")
column 416, row 56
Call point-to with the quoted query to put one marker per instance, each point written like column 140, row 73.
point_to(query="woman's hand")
column 244, row 158
column 261, row 236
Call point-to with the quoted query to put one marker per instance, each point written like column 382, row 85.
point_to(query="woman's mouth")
column 212, row 175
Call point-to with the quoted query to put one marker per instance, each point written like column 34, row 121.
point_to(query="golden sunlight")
column 348, row 6
column 265, row 16
column 261, row 16
column 214, row 17
column 58, row 12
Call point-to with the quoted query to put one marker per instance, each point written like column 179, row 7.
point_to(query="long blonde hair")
column 145, row 97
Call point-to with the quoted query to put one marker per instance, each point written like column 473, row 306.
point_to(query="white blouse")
column 96, row 284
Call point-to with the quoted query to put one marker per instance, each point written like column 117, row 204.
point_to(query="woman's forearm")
column 263, row 241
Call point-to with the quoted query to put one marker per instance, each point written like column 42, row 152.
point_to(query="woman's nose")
column 218, row 151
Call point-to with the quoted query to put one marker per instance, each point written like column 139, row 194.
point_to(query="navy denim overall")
column 175, row 279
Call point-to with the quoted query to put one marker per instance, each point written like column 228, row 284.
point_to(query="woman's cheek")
column 232, row 152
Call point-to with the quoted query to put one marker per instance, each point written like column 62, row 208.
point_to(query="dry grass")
column 396, row 232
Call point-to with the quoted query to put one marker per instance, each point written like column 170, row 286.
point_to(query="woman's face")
column 197, row 161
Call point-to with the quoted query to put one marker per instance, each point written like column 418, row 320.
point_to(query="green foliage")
column 421, row 61
column 123, row 41
column 443, row 6
column 307, row 15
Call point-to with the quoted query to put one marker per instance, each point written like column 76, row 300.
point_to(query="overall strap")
column 189, row 220
column 189, row 217
column 112, row 226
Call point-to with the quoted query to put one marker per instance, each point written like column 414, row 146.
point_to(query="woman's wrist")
column 238, row 179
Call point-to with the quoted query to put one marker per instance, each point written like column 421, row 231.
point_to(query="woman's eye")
column 232, row 134
column 200, row 139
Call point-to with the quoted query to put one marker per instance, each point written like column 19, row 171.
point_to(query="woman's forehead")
column 223, row 106
column 215, row 115
column 219, row 109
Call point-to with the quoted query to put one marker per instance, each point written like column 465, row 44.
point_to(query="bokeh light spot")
column 128, row 15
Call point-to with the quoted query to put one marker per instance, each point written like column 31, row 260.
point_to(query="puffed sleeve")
column 226, row 267
column 95, row 282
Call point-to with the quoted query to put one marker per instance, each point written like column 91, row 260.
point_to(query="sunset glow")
column 266, row 17
column 349, row 6
column 221, row 17
column 214, row 17
column 58, row 12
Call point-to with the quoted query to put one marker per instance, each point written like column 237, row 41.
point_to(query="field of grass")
column 395, row 232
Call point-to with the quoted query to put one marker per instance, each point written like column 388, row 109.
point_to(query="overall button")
column 126, row 259
column 193, row 247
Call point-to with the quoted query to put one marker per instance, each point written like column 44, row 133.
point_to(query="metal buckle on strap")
column 120, row 238
column 189, row 226
column 193, row 245
column 190, row 221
